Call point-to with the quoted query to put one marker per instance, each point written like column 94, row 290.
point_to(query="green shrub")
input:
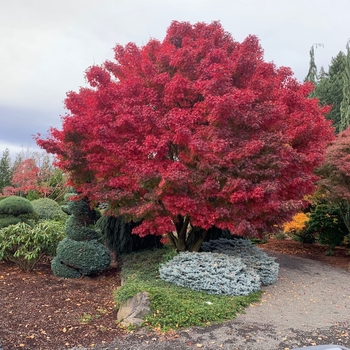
column 116, row 234
column 16, row 209
column 327, row 223
column 15, row 205
column 48, row 209
column 280, row 236
column 33, row 195
column 75, row 230
column 6, row 220
column 62, row 270
column 81, row 210
column 26, row 246
column 304, row 236
column 87, row 257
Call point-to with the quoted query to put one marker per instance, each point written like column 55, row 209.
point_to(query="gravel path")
column 308, row 305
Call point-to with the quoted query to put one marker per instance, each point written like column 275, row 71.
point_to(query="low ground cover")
column 174, row 306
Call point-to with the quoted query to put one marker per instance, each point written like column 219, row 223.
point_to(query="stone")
column 134, row 309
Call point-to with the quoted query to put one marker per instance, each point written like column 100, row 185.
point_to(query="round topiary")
column 15, row 205
column 16, row 209
column 74, row 230
column 81, row 210
column 87, row 257
column 61, row 270
column 48, row 209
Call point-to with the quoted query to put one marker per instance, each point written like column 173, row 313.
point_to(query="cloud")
column 18, row 125
column 47, row 45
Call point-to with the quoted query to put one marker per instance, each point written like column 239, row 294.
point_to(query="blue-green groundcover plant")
column 226, row 266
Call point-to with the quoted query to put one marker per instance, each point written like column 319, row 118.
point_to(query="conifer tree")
column 5, row 169
column 312, row 73
column 329, row 89
column 345, row 103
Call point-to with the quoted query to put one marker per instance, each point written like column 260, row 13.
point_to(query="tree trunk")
column 185, row 239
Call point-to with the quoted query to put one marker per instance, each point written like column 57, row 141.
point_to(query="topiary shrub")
column 48, row 209
column 212, row 273
column 252, row 256
column 77, row 232
column 66, row 198
column 26, row 246
column 16, row 209
column 62, row 270
column 82, row 212
column 80, row 253
column 86, row 257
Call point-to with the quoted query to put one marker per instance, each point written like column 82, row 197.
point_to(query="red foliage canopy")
column 24, row 179
column 335, row 171
column 196, row 129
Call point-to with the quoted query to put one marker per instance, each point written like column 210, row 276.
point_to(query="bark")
column 182, row 235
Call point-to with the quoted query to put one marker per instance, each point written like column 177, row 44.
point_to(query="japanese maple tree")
column 335, row 173
column 24, row 178
column 37, row 175
column 193, row 132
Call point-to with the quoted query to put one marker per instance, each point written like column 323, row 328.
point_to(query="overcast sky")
column 45, row 46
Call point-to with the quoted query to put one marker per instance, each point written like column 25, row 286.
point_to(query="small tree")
column 35, row 178
column 5, row 170
column 193, row 132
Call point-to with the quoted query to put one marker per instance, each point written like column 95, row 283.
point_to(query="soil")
column 41, row 311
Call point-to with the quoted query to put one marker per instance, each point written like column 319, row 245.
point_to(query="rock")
column 134, row 309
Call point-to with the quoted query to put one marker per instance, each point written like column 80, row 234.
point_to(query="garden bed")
column 41, row 311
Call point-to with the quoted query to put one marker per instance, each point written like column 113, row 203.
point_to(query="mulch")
column 41, row 311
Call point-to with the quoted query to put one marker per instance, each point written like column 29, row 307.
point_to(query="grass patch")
column 174, row 307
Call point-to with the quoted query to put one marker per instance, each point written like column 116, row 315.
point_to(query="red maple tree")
column 24, row 179
column 193, row 132
column 335, row 175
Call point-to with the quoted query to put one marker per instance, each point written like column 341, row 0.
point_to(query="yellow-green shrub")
column 297, row 224
column 297, row 228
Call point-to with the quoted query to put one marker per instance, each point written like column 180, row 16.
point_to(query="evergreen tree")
column 345, row 103
column 312, row 73
column 5, row 169
column 329, row 89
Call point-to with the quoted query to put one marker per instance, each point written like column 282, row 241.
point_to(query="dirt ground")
column 41, row 311
column 341, row 257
